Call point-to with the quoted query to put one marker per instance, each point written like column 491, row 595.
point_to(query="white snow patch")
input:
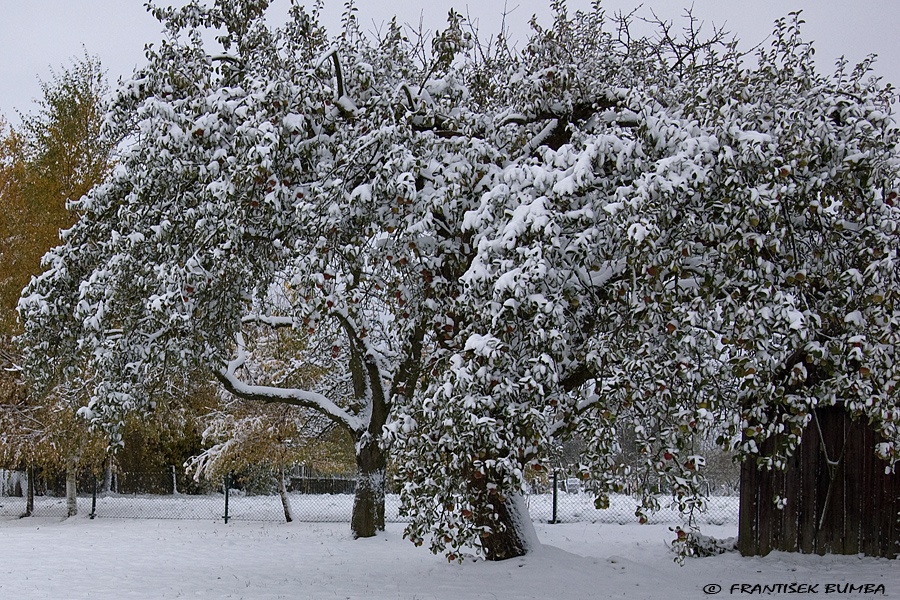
column 855, row 318
column 483, row 345
column 107, row 559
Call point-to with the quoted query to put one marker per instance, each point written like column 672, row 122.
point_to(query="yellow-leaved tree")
column 56, row 154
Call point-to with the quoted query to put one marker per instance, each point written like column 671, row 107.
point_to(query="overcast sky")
column 38, row 35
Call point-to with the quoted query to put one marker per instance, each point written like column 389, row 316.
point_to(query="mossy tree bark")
column 368, row 504
column 515, row 535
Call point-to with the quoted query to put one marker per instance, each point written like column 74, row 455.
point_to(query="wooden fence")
column 839, row 498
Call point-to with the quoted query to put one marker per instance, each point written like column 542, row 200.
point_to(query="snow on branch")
column 270, row 320
column 539, row 139
column 404, row 87
column 227, row 58
column 11, row 362
column 342, row 101
column 293, row 396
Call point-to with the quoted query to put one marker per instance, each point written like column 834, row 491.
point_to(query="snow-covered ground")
column 150, row 559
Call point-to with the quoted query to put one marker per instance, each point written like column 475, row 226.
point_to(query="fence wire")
column 165, row 495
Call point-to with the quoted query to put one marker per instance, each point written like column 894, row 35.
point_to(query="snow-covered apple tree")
column 552, row 252
column 288, row 181
column 688, row 246
column 600, row 233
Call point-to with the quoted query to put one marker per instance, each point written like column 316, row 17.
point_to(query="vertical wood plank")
column 835, row 423
column 852, row 481
column 823, row 535
column 790, row 538
column 766, row 509
column 895, row 522
column 868, row 537
column 886, row 514
column 777, row 526
column 748, row 543
column 809, row 456
column 878, row 523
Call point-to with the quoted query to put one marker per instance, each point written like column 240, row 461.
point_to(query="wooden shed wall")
column 860, row 515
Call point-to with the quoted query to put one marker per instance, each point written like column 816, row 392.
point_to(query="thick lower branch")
column 292, row 396
column 367, row 371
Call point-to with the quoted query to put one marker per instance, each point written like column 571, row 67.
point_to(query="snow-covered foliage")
column 709, row 250
column 240, row 435
column 288, row 181
column 595, row 235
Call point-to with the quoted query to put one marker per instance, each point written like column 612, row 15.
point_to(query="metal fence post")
column 553, row 520
column 94, row 499
column 227, row 485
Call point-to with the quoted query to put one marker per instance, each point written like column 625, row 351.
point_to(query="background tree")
column 246, row 435
column 53, row 156
column 162, row 439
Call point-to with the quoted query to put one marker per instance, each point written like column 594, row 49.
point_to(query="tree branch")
column 374, row 383
column 292, row 396
column 557, row 133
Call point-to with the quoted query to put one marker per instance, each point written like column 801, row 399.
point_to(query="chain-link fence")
column 171, row 495
column 575, row 507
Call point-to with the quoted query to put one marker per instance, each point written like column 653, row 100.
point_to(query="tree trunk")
column 518, row 536
column 107, row 477
column 71, row 492
column 285, row 504
column 368, row 505
column 29, row 501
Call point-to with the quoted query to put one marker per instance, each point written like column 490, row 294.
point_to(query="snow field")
column 151, row 559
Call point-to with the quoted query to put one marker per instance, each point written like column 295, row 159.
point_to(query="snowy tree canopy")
column 290, row 181
column 597, row 234
column 715, row 254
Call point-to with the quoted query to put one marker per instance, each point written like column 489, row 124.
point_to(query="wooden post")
column 94, row 499
column 553, row 520
column 29, row 501
column 227, row 485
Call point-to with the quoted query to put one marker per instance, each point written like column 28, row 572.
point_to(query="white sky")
column 37, row 35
